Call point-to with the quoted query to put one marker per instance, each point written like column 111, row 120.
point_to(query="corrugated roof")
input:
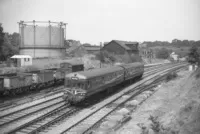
column 21, row 56
column 126, row 44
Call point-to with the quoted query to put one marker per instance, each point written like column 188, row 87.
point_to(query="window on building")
column 26, row 59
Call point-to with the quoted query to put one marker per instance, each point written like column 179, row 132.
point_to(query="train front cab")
column 75, row 89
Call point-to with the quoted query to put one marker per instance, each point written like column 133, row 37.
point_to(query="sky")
column 95, row 21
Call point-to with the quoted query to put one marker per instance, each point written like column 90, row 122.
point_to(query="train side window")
column 119, row 73
column 110, row 75
column 75, row 85
column 88, row 84
column 83, row 86
column 79, row 85
column 105, row 78
column 67, row 83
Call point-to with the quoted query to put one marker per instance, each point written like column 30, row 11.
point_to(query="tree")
column 15, row 39
column 8, row 49
column 194, row 55
column 162, row 53
column 1, row 41
column 87, row 44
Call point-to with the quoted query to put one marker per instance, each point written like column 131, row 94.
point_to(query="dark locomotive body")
column 80, row 85
column 34, row 80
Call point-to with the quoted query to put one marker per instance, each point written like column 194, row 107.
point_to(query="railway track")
column 45, row 116
column 13, row 117
column 30, row 98
column 20, row 101
column 38, row 124
column 92, row 118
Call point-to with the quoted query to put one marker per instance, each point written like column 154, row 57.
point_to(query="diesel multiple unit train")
column 15, row 83
column 80, row 85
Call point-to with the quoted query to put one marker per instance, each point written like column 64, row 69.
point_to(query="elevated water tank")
column 42, row 39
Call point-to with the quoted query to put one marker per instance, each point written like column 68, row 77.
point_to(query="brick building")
column 92, row 49
column 121, row 47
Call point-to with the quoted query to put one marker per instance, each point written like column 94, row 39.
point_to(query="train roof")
column 94, row 72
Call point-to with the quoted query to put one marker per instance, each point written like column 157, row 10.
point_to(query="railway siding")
column 26, row 105
column 19, row 123
column 28, row 112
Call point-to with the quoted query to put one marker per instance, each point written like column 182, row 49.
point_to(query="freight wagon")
column 15, row 83
column 35, row 80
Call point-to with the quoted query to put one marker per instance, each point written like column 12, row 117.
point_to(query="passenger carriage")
column 82, row 84
column 133, row 70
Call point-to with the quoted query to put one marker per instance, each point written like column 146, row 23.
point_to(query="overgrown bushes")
column 106, row 57
column 162, row 53
column 194, row 55
column 171, row 76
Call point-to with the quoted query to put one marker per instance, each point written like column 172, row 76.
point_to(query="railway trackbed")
column 66, row 114
column 13, row 117
column 9, row 104
column 93, row 117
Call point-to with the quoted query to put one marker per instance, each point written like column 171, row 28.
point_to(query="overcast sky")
column 95, row 21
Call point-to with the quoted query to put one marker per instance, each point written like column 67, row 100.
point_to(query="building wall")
column 24, row 62
column 114, row 48
column 133, row 52
column 41, row 53
column 42, row 41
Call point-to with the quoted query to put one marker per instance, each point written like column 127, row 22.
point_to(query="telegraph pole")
column 100, row 53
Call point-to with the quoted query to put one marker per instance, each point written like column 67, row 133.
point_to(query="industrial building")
column 42, row 39
column 92, row 49
column 121, row 47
